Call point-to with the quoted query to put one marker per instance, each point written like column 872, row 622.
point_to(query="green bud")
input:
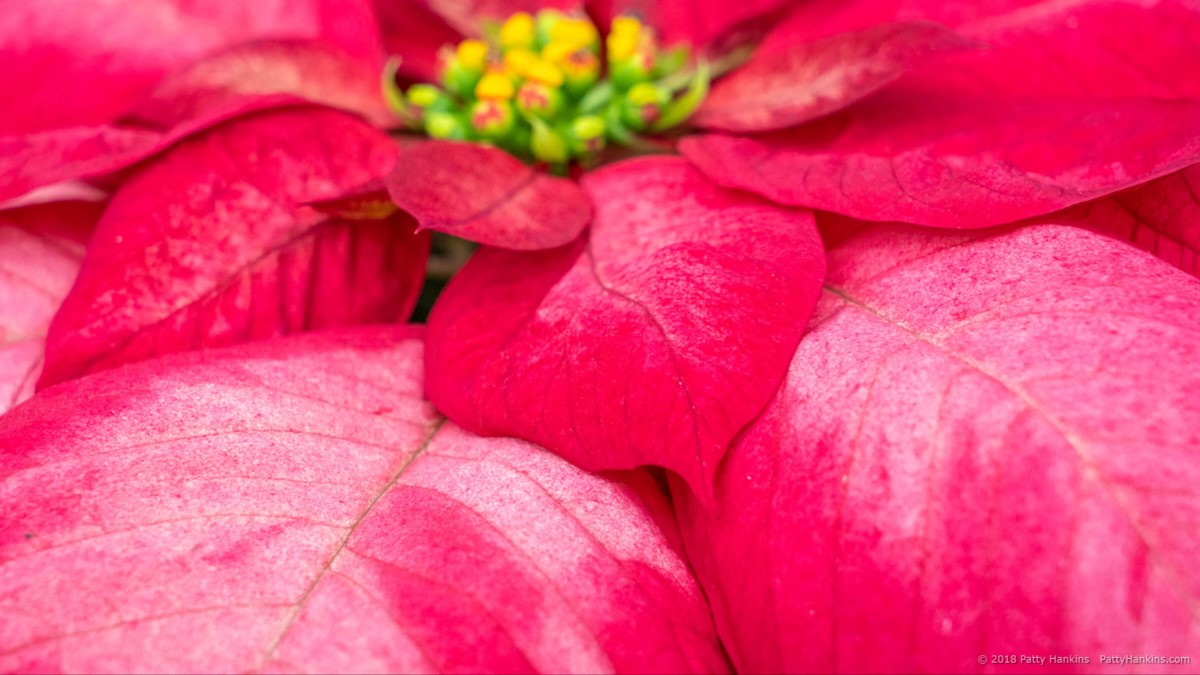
column 536, row 86
column 671, row 61
column 642, row 106
column 493, row 120
column 421, row 100
column 518, row 142
column 596, row 99
column 586, row 135
column 391, row 91
column 581, row 72
column 428, row 97
column 547, row 144
column 679, row 110
column 614, row 128
column 446, row 126
column 535, row 99
column 543, row 24
column 629, row 72
column 460, row 81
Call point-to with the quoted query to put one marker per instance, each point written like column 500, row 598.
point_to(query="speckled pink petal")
column 30, row 161
column 414, row 33
column 988, row 445
column 210, row 244
column 469, row 16
column 1095, row 49
column 84, row 62
column 486, row 195
column 814, row 19
column 40, row 250
column 295, row 505
column 696, row 23
column 36, row 160
column 309, row 69
column 651, row 341
column 1161, row 217
column 912, row 156
column 800, row 80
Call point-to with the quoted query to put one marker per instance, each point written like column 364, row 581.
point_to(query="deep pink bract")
column 651, row 340
column 170, row 268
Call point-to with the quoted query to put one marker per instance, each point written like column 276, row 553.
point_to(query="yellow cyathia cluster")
column 536, row 86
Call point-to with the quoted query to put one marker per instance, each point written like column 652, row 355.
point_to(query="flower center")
column 536, row 87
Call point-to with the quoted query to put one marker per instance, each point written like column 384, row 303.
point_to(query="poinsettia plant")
column 795, row 336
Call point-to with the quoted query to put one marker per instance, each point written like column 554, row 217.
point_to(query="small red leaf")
column 964, row 163
column 653, row 341
column 485, row 195
column 987, row 445
column 84, row 62
column 210, row 245
column 40, row 251
column 801, row 80
column 294, row 505
column 312, row 70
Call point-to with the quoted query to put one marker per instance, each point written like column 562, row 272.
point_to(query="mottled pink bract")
column 1161, row 217
column 211, row 244
column 309, row 69
column 85, row 62
column 486, row 195
column 987, row 444
column 802, row 80
column 41, row 247
column 959, row 162
column 295, row 505
column 652, row 340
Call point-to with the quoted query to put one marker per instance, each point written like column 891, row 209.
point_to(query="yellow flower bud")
column 544, row 72
column 581, row 65
column 581, row 70
column 493, row 87
column 543, row 23
column 472, row 55
column 621, row 46
column 518, row 61
column 557, row 52
column 537, row 89
column 517, row 32
column 578, row 32
column 626, row 25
